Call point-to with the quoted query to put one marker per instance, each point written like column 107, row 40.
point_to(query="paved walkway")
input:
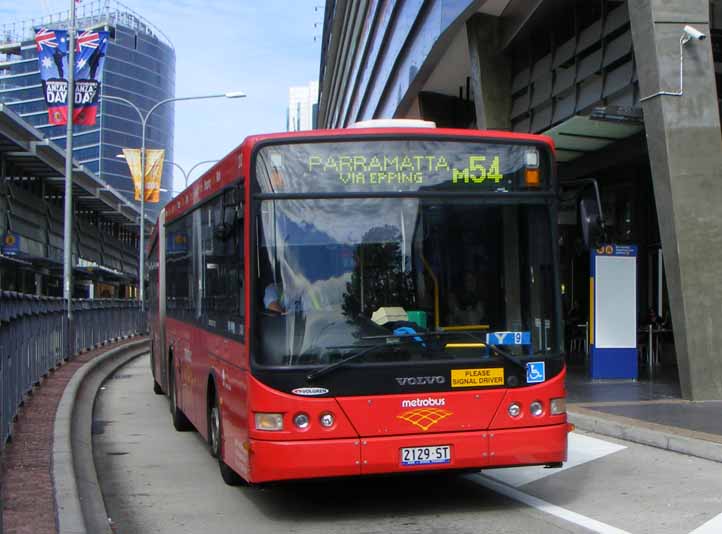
column 649, row 412
column 27, row 486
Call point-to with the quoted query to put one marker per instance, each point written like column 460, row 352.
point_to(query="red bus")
column 362, row 301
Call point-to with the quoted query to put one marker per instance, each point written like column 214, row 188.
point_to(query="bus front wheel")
column 215, row 442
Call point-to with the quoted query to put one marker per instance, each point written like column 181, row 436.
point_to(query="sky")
column 260, row 47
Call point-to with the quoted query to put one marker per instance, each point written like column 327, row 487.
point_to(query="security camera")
column 693, row 33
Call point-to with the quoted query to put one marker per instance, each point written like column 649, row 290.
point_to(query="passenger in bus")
column 466, row 304
column 278, row 301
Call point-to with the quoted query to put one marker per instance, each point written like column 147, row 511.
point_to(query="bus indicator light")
column 536, row 408
column 532, row 159
column 558, row 406
column 514, row 409
column 327, row 420
column 271, row 422
column 532, row 178
column 301, row 420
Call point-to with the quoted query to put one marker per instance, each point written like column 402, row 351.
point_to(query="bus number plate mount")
column 436, row 454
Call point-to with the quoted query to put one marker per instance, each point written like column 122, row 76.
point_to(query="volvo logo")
column 420, row 380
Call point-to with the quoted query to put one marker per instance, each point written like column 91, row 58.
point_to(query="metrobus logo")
column 423, row 403
column 424, row 418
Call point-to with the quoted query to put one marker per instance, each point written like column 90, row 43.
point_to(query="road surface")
column 156, row 480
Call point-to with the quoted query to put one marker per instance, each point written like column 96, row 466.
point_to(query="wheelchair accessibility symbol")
column 535, row 372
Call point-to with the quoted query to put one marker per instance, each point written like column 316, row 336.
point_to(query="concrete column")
column 490, row 74
column 685, row 153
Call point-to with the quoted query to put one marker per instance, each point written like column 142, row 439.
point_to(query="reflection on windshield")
column 335, row 273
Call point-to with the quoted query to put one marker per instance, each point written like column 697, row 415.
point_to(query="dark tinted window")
column 204, row 265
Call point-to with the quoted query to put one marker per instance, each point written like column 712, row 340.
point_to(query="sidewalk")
column 647, row 412
column 26, row 482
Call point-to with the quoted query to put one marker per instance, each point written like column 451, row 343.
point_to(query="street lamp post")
column 68, row 215
column 187, row 175
column 143, row 124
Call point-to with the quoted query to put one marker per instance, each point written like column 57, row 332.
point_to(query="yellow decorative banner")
column 153, row 171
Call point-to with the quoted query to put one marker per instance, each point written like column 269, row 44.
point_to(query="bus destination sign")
column 384, row 166
column 404, row 169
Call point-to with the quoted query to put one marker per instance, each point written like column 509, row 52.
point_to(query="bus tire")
column 178, row 418
column 215, row 443
column 156, row 386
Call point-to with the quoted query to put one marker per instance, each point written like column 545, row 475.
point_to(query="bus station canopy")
column 24, row 152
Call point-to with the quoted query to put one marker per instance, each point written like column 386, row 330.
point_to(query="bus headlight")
column 301, row 420
column 514, row 409
column 269, row 421
column 536, row 408
column 558, row 406
column 327, row 420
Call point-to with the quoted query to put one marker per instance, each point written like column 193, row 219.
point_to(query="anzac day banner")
column 90, row 47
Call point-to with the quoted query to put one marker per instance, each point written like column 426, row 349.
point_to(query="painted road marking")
column 582, row 449
column 548, row 508
column 713, row 526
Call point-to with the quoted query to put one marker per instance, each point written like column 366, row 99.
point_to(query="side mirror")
column 591, row 218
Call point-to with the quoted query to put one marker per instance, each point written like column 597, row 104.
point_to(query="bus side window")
column 223, row 267
column 233, row 215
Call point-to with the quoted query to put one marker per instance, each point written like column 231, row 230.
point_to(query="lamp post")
column 143, row 124
column 187, row 175
column 68, row 215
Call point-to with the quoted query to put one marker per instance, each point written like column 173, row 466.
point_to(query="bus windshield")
column 340, row 275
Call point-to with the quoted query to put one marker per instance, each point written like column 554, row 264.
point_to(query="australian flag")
column 52, row 46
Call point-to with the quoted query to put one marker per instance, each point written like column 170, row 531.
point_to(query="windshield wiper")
column 323, row 370
column 356, row 355
column 408, row 339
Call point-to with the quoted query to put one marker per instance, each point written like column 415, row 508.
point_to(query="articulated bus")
column 377, row 299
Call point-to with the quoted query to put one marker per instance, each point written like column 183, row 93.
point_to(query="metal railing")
column 35, row 338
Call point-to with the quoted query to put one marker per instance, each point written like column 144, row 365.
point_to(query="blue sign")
column 535, row 373
column 509, row 338
column 11, row 244
column 177, row 242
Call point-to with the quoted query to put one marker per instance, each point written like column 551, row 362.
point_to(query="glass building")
column 139, row 67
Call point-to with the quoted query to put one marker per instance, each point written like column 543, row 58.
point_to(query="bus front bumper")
column 288, row 460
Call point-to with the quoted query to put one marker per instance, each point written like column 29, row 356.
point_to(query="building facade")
column 302, row 107
column 139, row 67
column 603, row 80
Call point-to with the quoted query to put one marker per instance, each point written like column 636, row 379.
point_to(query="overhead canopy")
column 24, row 152
column 579, row 135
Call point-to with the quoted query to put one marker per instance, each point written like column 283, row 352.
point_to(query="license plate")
column 438, row 454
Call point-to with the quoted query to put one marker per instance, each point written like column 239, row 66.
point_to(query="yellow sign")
column 469, row 378
column 153, row 171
